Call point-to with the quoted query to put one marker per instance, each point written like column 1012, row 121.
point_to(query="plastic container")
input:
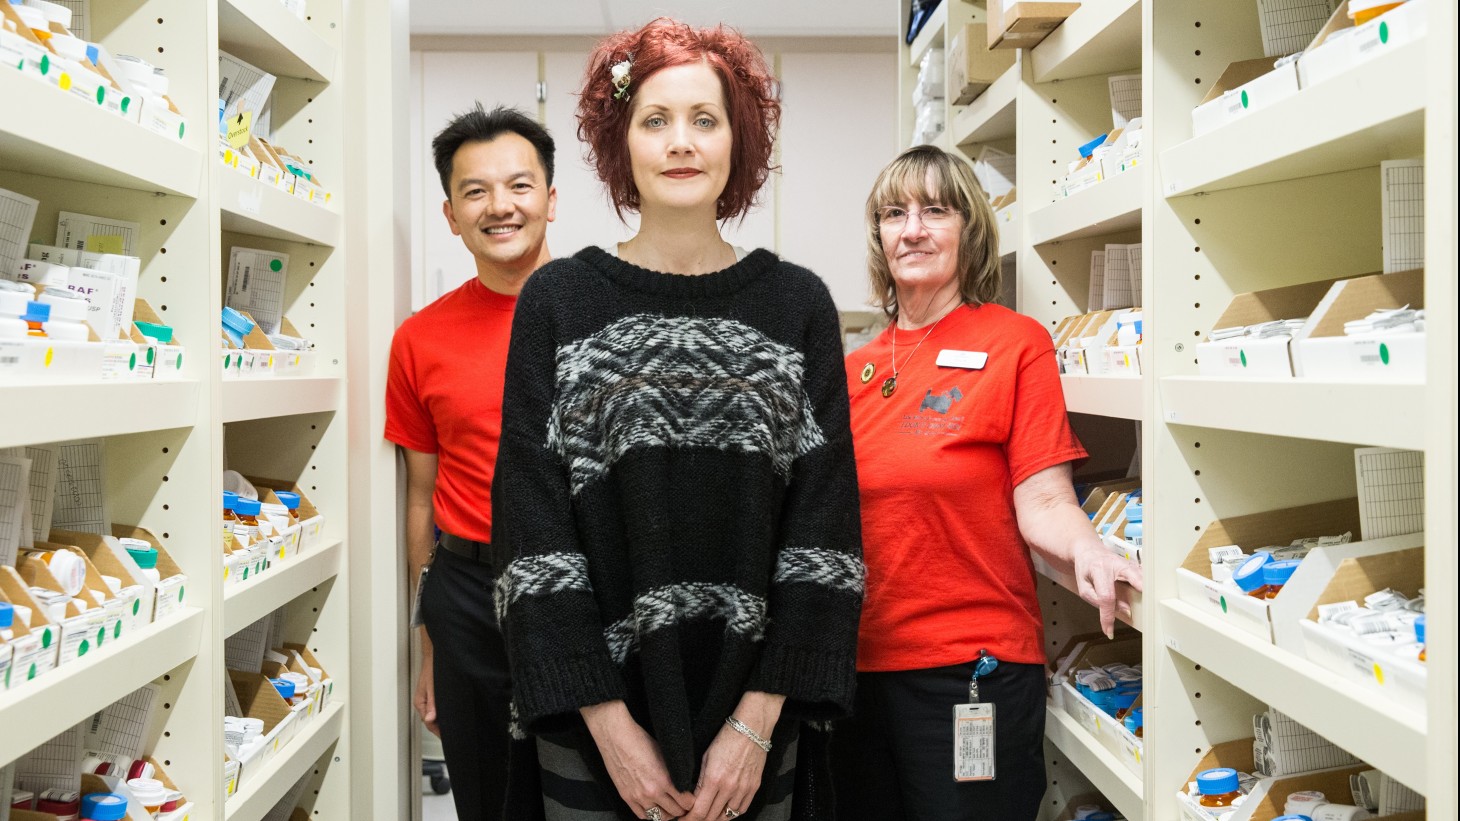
column 1292, row 818
column 64, row 804
column 1304, row 803
column 1248, row 575
column 53, row 12
column 290, row 501
column 145, row 555
column 7, row 621
column 236, row 325
column 68, row 315
column 230, row 519
column 14, row 297
column 247, row 528
column 162, row 334
column 149, row 792
column 1135, row 528
column 22, row 800
column 1276, row 574
column 1135, row 721
column 36, row 315
column 103, row 806
column 141, row 768
column 1340, row 812
column 285, row 688
column 35, row 20
column 1218, row 787
column 68, row 568
column 1419, row 635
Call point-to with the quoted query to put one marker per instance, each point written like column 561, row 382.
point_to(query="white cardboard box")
column 1326, row 352
column 1245, row 87
column 1246, row 357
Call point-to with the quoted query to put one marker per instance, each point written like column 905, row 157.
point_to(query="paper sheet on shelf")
column 256, row 284
column 1403, row 214
column 17, row 218
column 101, row 235
column 14, row 495
column 55, row 764
column 80, row 502
column 1288, row 26
column 245, row 649
column 122, row 728
column 1391, row 491
column 285, row 808
column 244, row 87
column 42, row 488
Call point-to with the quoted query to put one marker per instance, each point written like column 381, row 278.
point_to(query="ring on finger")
column 731, row 812
column 654, row 814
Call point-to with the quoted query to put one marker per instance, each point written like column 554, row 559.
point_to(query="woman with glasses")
column 676, row 487
column 964, row 456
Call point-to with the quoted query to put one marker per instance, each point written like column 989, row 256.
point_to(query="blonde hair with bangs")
column 927, row 175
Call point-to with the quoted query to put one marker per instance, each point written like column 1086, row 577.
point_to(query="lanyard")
column 985, row 665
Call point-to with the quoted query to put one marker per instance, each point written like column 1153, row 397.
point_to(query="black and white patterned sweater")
column 677, row 497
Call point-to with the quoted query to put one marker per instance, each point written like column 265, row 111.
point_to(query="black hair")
column 479, row 125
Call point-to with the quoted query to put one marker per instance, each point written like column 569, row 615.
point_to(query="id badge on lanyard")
column 973, row 729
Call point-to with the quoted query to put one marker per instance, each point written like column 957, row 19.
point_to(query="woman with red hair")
column 676, row 494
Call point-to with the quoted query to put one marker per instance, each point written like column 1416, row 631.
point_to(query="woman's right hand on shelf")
column 634, row 761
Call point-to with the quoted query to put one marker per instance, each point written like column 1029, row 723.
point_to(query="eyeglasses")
column 894, row 217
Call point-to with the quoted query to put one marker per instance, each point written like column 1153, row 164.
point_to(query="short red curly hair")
column 750, row 99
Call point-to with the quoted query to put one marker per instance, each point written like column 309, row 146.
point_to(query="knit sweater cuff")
column 553, row 688
column 818, row 685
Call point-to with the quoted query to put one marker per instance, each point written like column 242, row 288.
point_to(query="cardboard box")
column 1269, row 795
column 164, row 360
column 81, row 630
column 1277, row 620
column 110, row 558
column 1261, row 358
column 1246, row 86
column 1024, row 25
column 1369, row 665
column 35, row 656
column 1106, row 728
column 311, row 521
column 1326, row 352
column 972, row 65
column 260, row 700
column 173, row 588
column 327, row 683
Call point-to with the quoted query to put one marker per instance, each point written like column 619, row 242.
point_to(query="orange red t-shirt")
column 948, row 573
column 443, row 395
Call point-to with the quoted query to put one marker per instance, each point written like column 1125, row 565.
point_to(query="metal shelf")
column 247, row 602
column 250, row 206
column 57, row 413
column 264, row 33
column 1387, row 735
column 1096, row 763
column 1117, row 396
column 1108, row 207
column 1103, row 37
column 1374, row 112
column 76, row 140
column 263, row 788
column 267, row 398
column 1384, row 415
column 34, row 712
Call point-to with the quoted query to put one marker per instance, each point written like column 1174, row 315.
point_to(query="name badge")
column 969, row 360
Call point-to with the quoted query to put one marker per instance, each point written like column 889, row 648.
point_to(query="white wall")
column 838, row 130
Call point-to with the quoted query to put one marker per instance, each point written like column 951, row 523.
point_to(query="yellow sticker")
column 64, row 81
column 50, row 354
column 106, row 244
column 1379, row 674
column 240, row 129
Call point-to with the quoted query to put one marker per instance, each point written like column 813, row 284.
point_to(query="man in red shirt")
column 444, row 409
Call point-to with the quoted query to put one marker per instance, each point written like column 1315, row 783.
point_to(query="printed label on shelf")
column 170, row 593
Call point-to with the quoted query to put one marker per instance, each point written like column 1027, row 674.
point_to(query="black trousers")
column 893, row 760
column 473, row 688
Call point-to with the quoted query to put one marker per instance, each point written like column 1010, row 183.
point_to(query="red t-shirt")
column 444, row 396
column 948, row 573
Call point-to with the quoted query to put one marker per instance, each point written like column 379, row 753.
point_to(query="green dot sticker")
column 1244, row 98
column 1243, row 355
column 136, row 606
column 151, row 355
column 180, row 128
column 132, row 362
column 1224, row 604
column 180, row 592
column 45, row 64
column 1384, row 31
column 227, row 361
column 83, row 649
column 100, row 94
column 30, row 674
column 46, row 638
column 127, row 101
column 1384, row 353
column 275, row 265
column 100, row 636
column 179, row 360
column 117, row 631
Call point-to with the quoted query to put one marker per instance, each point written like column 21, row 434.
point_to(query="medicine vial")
column 68, row 315
column 149, row 791
column 230, row 519
column 247, row 528
column 1419, row 635
column 7, row 622
column 14, row 297
column 291, row 502
column 1135, row 529
column 1304, row 803
column 1248, row 576
column 103, row 806
column 1340, row 812
column 37, row 314
column 1218, row 787
column 1275, row 575
column 145, row 555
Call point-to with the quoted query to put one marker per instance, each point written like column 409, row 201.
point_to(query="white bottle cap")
column 65, row 305
column 54, row 12
column 14, row 296
column 1303, row 803
column 67, row 567
column 72, row 48
column 149, row 791
column 32, row 17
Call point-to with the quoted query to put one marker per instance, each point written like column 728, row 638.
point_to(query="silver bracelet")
column 738, row 726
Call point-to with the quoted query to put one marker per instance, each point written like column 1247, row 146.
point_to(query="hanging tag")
column 416, row 620
column 973, row 742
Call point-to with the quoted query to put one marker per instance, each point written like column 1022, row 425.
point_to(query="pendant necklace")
column 889, row 385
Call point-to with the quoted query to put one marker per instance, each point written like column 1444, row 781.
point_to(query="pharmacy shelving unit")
column 167, row 443
column 1286, row 195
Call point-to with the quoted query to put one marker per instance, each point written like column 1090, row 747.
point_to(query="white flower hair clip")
column 620, row 72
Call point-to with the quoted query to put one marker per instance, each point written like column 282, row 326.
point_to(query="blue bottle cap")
column 103, row 806
column 1219, row 781
column 1100, row 816
column 7, row 615
column 37, row 312
column 284, row 686
column 1248, row 575
column 1089, row 148
column 145, row 557
column 1135, row 512
column 1292, row 818
column 287, row 499
column 1135, row 719
column 1419, row 629
column 1276, row 574
column 247, row 507
column 230, row 500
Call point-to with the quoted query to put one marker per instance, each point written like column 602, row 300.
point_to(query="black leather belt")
column 480, row 552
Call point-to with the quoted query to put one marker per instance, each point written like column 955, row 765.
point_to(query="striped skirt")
column 570, row 792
